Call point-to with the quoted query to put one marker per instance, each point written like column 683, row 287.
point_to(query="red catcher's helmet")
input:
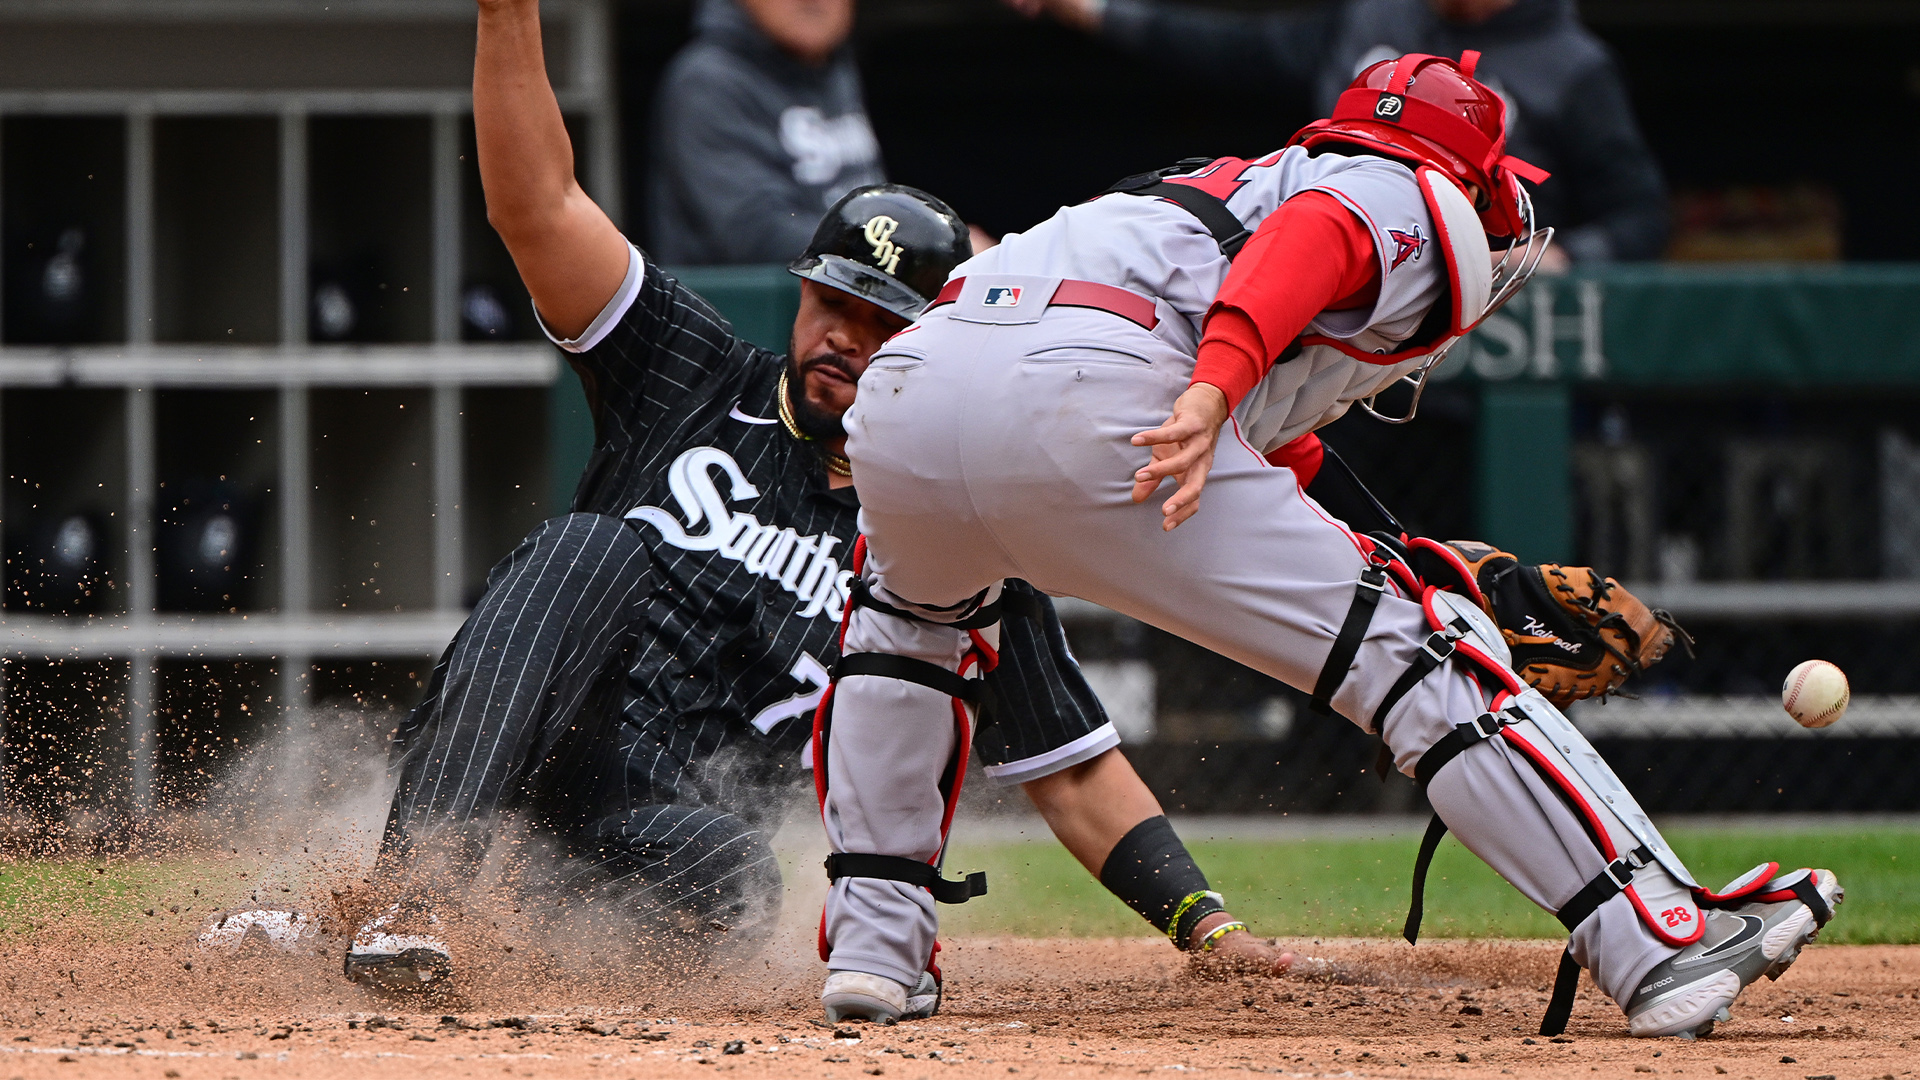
column 1431, row 110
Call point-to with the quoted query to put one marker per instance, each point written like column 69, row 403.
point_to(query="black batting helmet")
column 887, row 244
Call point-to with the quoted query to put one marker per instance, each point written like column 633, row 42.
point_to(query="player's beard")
column 812, row 419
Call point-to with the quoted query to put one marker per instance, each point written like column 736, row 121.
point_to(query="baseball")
column 1815, row 694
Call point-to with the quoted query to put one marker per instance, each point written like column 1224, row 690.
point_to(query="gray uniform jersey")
column 1156, row 248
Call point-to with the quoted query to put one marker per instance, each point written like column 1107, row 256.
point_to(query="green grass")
column 113, row 894
column 1346, row 886
column 1294, row 888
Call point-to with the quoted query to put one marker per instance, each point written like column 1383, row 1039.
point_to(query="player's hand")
column 1183, row 449
column 1236, row 953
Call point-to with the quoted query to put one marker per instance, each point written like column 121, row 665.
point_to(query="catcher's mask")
column 888, row 244
column 1430, row 110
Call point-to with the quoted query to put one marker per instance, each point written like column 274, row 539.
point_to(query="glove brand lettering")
column 802, row 565
column 886, row 253
column 1533, row 627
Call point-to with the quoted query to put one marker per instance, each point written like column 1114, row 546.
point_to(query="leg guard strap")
column 970, row 614
column 842, row 864
column 1485, row 726
column 1565, row 983
column 1353, row 630
column 1605, row 886
column 1436, row 830
column 1433, row 652
column 1809, row 894
column 908, row 669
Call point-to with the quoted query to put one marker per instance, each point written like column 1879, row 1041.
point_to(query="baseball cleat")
column 383, row 957
column 279, row 930
column 924, row 999
column 1688, row 992
column 856, row 995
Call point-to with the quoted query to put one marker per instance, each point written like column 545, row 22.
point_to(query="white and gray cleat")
column 1687, row 993
column 283, row 931
column 856, row 995
column 924, row 999
column 392, row 953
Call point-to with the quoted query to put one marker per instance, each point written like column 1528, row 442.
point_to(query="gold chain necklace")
column 835, row 463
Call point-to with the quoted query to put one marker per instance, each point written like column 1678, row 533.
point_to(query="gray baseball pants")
column 992, row 444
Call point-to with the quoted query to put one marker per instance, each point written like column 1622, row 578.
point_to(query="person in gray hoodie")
column 1567, row 110
column 760, row 126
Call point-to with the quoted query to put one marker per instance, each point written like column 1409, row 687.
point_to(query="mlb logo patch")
column 1002, row 296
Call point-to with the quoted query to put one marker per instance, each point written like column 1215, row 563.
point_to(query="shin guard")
column 1637, row 861
column 978, row 656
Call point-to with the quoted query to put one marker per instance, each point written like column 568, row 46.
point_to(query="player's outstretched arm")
column 1103, row 813
column 569, row 253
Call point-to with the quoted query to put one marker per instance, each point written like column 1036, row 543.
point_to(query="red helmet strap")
column 1533, row 174
column 1425, row 119
column 1405, row 68
column 1469, row 60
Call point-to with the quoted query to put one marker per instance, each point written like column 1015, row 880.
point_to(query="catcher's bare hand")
column 1182, row 449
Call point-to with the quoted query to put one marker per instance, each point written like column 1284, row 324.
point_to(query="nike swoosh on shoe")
column 1751, row 926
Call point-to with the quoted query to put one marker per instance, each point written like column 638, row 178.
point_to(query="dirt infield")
column 1015, row 1008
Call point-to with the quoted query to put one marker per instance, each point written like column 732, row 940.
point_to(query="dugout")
column 271, row 397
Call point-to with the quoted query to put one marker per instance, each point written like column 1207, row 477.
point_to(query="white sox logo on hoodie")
column 802, row 565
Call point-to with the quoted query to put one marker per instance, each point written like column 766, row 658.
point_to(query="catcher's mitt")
column 1574, row 634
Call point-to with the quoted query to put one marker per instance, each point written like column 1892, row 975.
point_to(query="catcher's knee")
column 1457, row 626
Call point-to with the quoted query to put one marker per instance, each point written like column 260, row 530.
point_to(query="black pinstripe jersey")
column 750, row 547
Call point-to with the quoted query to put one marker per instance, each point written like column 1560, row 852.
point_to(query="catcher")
column 1002, row 437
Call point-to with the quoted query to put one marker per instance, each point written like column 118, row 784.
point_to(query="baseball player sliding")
column 640, row 676
column 1196, row 326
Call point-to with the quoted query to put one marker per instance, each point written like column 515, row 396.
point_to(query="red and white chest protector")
column 1350, row 356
